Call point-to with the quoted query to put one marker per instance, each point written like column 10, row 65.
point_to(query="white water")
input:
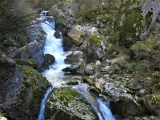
column 105, row 111
column 54, row 75
column 100, row 107
column 43, row 103
column 54, row 47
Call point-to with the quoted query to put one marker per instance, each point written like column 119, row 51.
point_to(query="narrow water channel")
column 54, row 75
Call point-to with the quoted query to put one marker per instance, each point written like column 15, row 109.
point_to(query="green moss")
column 155, row 88
column 69, row 94
column 95, row 39
column 72, row 82
column 71, row 102
column 146, row 45
column 155, row 99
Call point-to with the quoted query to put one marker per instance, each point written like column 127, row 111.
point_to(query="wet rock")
column 48, row 60
column 66, row 103
column 33, row 50
column 75, row 34
column 94, row 90
column 57, row 34
column 24, row 93
column 67, row 45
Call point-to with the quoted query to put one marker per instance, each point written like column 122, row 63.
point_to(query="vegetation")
column 15, row 16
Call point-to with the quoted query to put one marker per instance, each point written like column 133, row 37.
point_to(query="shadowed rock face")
column 49, row 59
column 24, row 93
column 33, row 50
column 7, row 66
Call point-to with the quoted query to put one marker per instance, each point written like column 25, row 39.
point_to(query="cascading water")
column 100, row 108
column 54, row 47
column 105, row 111
column 54, row 75
column 43, row 103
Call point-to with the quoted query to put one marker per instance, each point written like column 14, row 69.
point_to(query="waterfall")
column 54, row 47
column 105, row 111
column 101, row 108
column 54, row 75
column 43, row 103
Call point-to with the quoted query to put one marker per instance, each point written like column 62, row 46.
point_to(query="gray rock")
column 33, row 50
column 49, row 59
column 77, row 61
column 122, row 103
column 24, row 93
column 57, row 35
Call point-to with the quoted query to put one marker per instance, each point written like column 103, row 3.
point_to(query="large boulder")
column 77, row 61
column 49, row 60
column 33, row 50
column 68, row 104
column 75, row 34
column 24, row 93
column 123, row 103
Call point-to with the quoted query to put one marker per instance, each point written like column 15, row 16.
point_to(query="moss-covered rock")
column 66, row 103
column 24, row 93
column 152, row 103
column 127, row 106
column 72, row 82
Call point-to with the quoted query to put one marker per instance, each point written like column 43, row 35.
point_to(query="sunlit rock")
column 75, row 34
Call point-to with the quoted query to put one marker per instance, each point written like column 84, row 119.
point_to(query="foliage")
column 146, row 45
column 15, row 16
column 94, row 38
column 132, row 25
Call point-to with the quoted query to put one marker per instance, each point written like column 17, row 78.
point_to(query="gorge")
column 80, row 59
